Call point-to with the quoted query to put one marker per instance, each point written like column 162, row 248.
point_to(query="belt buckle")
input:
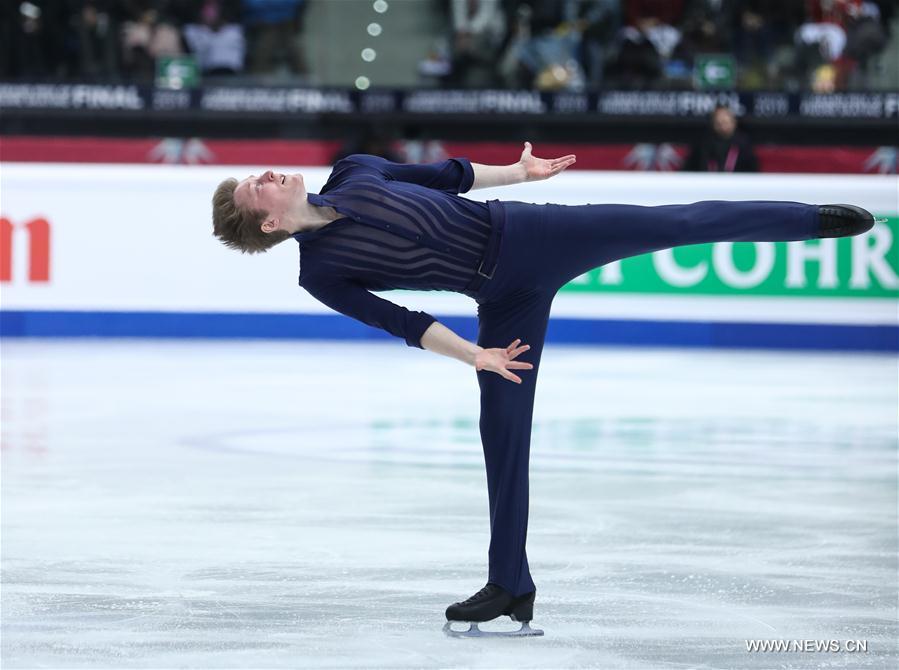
column 490, row 276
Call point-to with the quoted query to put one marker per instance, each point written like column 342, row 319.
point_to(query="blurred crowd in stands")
column 105, row 40
column 822, row 45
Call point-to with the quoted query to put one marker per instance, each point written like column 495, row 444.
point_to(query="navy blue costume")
column 405, row 226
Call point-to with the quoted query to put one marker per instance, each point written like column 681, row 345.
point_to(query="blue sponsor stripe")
column 15, row 323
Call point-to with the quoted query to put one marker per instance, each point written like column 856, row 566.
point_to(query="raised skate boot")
column 843, row 220
column 491, row 602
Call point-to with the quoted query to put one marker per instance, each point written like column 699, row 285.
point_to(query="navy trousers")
column 543, row 248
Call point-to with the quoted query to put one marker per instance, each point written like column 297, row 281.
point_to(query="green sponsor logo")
column 177, row 72
column 714, row 71
column 865, row 266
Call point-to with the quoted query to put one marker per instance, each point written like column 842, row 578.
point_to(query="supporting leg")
column 505, row 425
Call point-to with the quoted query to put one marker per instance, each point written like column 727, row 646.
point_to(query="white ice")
column 318, row 505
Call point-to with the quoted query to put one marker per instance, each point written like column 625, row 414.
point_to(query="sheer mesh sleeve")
column 454, row 175
column 354, row 301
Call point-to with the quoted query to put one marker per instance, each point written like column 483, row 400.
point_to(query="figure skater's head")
column 256, row 213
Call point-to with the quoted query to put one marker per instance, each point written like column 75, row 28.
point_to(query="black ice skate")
column 491, row 602
column 843, row 220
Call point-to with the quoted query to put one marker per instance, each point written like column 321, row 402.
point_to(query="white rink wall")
column 125, row 238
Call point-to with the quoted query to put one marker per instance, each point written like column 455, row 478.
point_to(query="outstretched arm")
column 419, row 329
column 440, row 339
column 528, row 168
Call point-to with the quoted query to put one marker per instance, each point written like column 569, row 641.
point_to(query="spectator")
column 846, row 34
column 34, row 38
column 543, row 49
column 218, row 46
column 707, row 27
column 96, row 31
column 273, row 28
column 825, row 25
column 656, row 21
column 478, row 30
column 646, row 42
column 145, row 38
column 599, row 21
column 724, row 148
column 866, row 36
column 763, row 36
column 437, row 63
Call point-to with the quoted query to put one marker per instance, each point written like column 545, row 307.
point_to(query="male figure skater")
column 379, row 225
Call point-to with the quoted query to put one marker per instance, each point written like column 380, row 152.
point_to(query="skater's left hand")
column 536, row 169
column 501, row 360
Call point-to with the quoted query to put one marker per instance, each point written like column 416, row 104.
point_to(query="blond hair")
column 240, row 228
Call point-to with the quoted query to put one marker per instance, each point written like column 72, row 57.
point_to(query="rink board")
column 99, row 250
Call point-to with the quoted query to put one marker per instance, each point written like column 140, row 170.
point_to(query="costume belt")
column 487, row 266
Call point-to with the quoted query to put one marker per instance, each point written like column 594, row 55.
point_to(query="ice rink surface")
column 318, row 505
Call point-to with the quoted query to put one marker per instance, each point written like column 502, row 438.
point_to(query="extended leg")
column 583, row 237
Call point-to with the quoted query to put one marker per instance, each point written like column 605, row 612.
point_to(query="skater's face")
column 724, row 122
column 274, row 193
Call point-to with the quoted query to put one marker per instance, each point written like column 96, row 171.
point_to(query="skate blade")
column 474, row 631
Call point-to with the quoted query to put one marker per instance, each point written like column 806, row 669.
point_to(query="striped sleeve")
column 454, row 175
column 353, row 300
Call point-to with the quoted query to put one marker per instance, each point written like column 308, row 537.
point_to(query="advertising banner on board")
column 109, row 239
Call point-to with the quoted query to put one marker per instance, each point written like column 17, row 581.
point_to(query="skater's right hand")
column 536, row 169
column 500, row 360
